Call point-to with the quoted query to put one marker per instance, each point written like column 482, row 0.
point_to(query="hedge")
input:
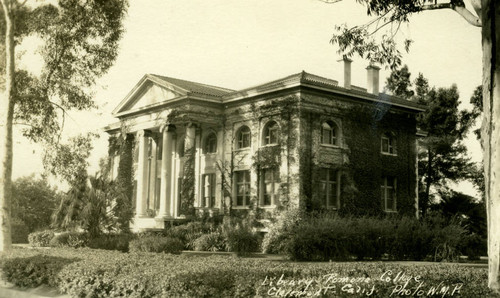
column 99, row 273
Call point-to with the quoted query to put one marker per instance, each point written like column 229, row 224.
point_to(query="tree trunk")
column 490, row 132
column 6, row 117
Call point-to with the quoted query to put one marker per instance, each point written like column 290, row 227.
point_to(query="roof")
column 194, row 87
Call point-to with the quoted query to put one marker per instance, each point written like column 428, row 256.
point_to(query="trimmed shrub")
column 40, row 239
column 156, row 244
column 240, row 238
column 189, row 232
column 210, row 242
column 70, row 239
column 100, row 273
column 19, row 231
column 118, row 242
column 276, row 240
column 33, row 271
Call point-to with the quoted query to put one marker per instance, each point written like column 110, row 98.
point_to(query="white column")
column 142, row 174
column 197, row 170
column 166, row 170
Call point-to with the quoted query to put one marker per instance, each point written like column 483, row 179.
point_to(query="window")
column 208, row 191
column 388, row 144
column 271, row 133
column 329, row 133
column 270, row 186
column 243, row 137
column 329, row 188
column 388, row 190
column 242, row 188
column 211, row 143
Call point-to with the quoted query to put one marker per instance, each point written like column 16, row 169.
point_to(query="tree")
column 80, row 42
column 33, row 202
column 360, row 40
column 442, row 155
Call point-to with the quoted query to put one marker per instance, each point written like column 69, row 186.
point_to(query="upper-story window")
column 329, row 133
column 210, row 143
column 388, row 144
column 271, row 131
column 243, row 138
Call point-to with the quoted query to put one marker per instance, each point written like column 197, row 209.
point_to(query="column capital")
column 144, row 133
column 167, row 127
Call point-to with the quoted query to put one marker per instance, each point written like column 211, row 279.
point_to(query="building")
column 302, row 141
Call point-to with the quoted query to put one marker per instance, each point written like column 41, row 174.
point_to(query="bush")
column 118, row 242
column 324, row 237
column 19, row 231
column 70, row 239
column 189, row 232
column 240, row 238
column 98, row 273
column 40, row 239
column 156, row 244
column 276, row 240
column 33, row 271
column 210, row 242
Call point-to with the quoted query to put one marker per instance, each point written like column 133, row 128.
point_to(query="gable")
column 151, row 94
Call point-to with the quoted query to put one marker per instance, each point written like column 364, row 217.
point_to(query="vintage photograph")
column 217, row 148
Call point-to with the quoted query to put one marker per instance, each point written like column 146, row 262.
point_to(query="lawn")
column 98, row 273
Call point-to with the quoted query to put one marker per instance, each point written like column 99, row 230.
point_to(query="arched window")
column 329, row 133
column 388, row 144
column 271, row 131
column 210, row 143
column 243, row 138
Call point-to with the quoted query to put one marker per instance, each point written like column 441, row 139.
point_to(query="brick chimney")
column 347, row 71
column 372, row 79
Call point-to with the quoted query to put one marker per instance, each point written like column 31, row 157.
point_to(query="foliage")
column 442, row 156
column 19, row 230
column 156, row 244
column 189, row 232
column 363, row 128
column 240, row 238
column 33, row 202
column 213, row 241
column 70, row 239
column 89, row 206
column 118, row 242
column 98, row 273
column 278, row 236
column 33, row 271
column 323, row 237
column 41, row 238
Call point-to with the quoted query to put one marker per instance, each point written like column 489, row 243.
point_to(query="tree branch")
column 461, row 10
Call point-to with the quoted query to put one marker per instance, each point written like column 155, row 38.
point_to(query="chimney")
column 372, row 75
column 347, row 71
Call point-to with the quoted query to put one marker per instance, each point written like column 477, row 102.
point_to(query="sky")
column 238, row 44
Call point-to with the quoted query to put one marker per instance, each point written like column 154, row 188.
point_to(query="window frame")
column 246, row 183
column 212, row 183
column 325, row 199
column 275, row 186
column 212, row 136
column 385, row 187
column 334, row 134
column 270, row 128
column 391, row 144
column 244, row 130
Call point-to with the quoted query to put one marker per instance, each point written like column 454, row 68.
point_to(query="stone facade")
column 187, row 148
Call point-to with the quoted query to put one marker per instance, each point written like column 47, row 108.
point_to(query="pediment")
column 148, row 93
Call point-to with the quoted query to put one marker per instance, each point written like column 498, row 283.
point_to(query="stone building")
column 303, row 141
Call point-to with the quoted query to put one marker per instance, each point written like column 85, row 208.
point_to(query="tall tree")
column 80, row 42
column 485, row 14
column 442, row 156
